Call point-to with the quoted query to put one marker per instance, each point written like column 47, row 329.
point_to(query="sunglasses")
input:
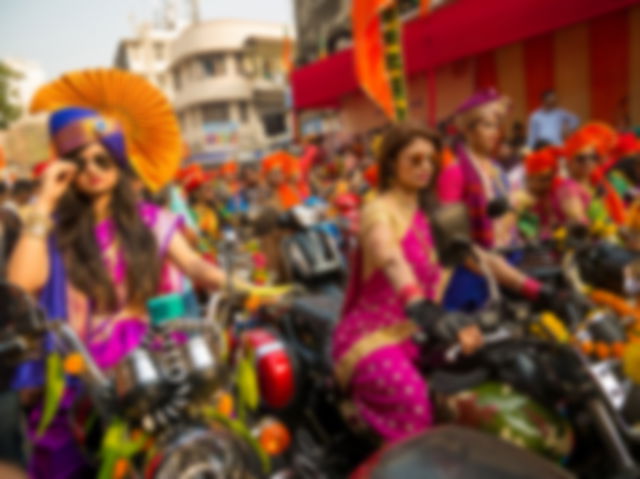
column 102, row 161
column 584, row 158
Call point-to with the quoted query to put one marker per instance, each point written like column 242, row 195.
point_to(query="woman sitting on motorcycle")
column 395, row 272
column 539, row 204
column 587, row 196
column 473, row 178
column 93, row 253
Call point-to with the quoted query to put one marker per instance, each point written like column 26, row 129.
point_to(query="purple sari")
column 108, row 337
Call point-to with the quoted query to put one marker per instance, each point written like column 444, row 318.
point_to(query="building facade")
column 26, row 140
column 229, row 87
column 147, row 54
column 589, row 53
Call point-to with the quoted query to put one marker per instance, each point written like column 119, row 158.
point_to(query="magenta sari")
column 569, row 187
column 373, row 351
column 108, row 337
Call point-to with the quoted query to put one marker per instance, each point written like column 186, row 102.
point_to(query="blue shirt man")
column 550, row 123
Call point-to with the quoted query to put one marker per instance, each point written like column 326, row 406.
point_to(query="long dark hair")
column 85, row 268
column 396, row 139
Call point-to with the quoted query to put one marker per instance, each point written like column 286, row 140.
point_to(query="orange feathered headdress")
column 149, row 126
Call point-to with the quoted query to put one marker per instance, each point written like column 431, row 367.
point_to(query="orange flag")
column 369, row 52
column 424, row 6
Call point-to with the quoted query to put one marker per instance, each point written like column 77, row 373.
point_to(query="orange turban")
column 543, row 161
column 281, row 160
column 628, row 145
column 229, row 168
column 597, row 135
column 272, row 162
column 191, row 177
column 604, row 137
column 577, row 142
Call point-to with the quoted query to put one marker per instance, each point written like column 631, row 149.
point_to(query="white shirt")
column 549, row 125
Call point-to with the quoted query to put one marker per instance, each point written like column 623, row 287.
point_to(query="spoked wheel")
column 204, row 454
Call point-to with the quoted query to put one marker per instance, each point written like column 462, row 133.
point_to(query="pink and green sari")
column 373, row 350
column 108, row 337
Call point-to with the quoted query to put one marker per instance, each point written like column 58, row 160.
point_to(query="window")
column 267, row 70
column 215, row 112
column 159, row 51
column 240, row 64
column 207, row 65
column 177, row 83
column 274, row 124
column 212, row 65
column 243, row 107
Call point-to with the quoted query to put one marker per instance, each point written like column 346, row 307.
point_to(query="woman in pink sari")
column 395, row 285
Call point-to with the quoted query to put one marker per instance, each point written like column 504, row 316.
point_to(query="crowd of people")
column 88, row 237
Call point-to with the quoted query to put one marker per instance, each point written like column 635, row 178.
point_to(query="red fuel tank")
column 276, row 375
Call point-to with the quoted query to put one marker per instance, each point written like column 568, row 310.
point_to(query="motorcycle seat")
column 451, row 382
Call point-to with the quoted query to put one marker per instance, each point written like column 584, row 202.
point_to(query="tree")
column 9, row 111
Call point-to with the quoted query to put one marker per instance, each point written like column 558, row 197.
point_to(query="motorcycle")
column 555, row 383
column 155, row 410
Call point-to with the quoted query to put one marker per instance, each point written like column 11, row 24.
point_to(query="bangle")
column 37, row 224
column 410, row 292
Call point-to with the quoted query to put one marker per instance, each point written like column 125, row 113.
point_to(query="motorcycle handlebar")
column 499, row 336
column 12, row 347
column 68, row 341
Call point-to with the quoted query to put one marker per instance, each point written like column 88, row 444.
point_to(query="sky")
column 63, row 35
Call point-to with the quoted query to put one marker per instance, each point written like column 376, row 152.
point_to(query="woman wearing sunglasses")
column 586, row 194
column 395, row 283
column 89, row 249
